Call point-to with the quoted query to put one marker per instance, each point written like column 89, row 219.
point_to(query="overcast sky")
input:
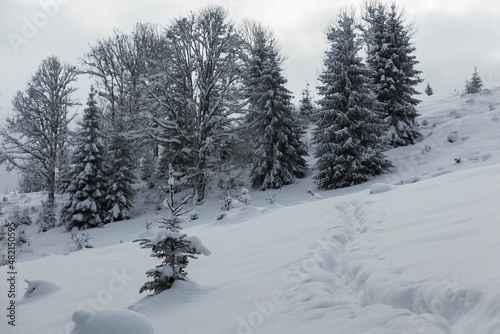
column 453, row 35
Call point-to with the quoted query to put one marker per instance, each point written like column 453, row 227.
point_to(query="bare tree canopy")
column 38, row 131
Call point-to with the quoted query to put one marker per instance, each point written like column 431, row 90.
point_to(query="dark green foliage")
column 428, row 90
column 274, row 128
column 86, row 205
column 119, row 194
column 475, row 84
column 390, row 56
column 307, row 110
column 171, row 245
column 349, row 133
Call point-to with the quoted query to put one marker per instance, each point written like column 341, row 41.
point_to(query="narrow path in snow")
column 341, row 282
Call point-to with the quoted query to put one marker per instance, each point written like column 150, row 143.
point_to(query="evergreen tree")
column 349, row 134
column 307, row 110
column 172, row 246
column 390, row 55
column 278, row 149
column 119, row 195
column 86, row 205
column 47, row 218
column 428, row 90
column 475, row 84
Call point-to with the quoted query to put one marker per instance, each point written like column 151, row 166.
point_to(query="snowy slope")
column 414, row 251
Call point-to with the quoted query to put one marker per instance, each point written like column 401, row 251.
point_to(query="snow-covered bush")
column 39, row 288
column 314, row 195
column 171, row 245
column 19, row 217
column 225, row 205
column 79, row 241
column 271, row 199
column 22, row 241
column 245, row 198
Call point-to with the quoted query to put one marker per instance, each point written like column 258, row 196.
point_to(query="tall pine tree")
column 390, row 55
column 278, row 148
column 86, row 205
column 119, row 194
column 349, row 134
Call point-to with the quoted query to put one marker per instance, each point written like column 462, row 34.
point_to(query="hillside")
column 414, row 251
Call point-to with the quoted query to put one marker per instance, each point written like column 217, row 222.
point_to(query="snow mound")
column 181, row 292
column 380, row 188
column 38, row 288
column 110, row 322
column 240, row 214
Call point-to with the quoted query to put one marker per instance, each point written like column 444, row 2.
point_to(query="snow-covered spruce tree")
column 276, row 133
column 171, row 245
column 428, row 90
column 119, row 194
column 475, row 84
column 390, row 56
column 306, row 107
column 47, row 218
column 86, row 205
column 349, row 134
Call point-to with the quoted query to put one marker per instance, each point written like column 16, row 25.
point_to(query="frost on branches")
column 279, row 152
column 119, row 195
column 86, row 204
column 391, row 57
column 349, row 133
column 171, row 245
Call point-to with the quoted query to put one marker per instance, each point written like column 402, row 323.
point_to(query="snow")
column 420, row 258
column 380, row 188
column 37, row 288
column 110, row 322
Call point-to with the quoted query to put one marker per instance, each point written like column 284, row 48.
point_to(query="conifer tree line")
column 203, row 92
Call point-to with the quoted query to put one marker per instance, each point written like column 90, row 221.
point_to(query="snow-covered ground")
column 414, row 251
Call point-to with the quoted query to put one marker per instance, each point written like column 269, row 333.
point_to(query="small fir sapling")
column 225, row 205
column 245, row 198
column 171, row 245
column 475, row 84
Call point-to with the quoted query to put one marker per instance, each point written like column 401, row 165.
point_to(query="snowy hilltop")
column 411, row 251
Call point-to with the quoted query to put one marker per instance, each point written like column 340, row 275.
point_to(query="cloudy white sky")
column 453, row 35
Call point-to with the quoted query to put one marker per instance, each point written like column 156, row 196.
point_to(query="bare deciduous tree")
column 38, row 131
